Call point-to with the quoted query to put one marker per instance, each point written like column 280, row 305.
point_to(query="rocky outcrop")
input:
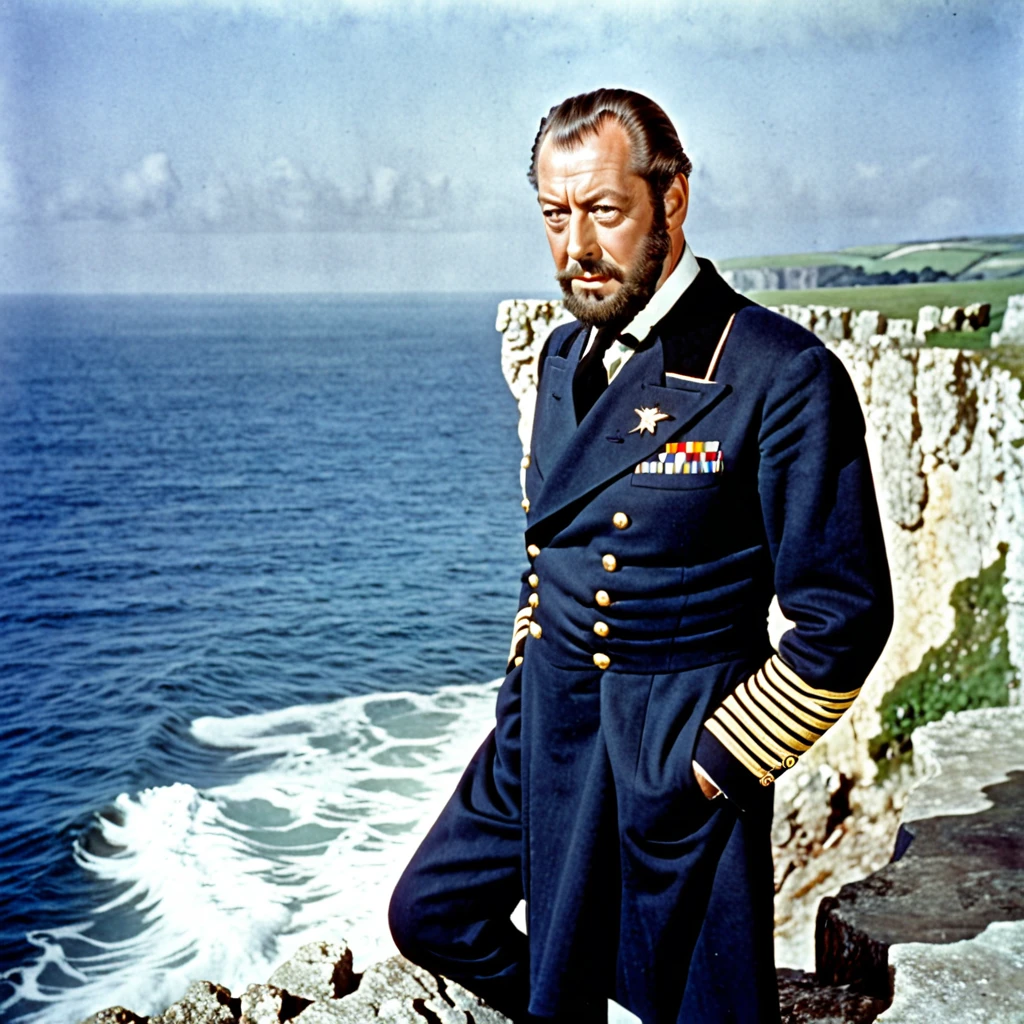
column 317, row 986
column 942, row 925
column 1012, row 332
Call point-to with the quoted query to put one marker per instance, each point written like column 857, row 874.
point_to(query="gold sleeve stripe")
column 786, row 740
column 801, row 700
column 725, row 718
column 787, row 686
column 769, row 742
column 734, row 748
column 783, row 701
column 785, row 670
column 772, row 709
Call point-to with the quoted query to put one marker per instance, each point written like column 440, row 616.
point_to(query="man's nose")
column 583, row 243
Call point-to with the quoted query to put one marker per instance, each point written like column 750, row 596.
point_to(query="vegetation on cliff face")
column 972, row 669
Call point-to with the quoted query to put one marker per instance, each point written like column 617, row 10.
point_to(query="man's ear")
column 677, row 200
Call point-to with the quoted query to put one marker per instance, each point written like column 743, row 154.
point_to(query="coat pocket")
column 677, row 481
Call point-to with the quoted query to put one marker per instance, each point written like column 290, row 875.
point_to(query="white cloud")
column 143, row 192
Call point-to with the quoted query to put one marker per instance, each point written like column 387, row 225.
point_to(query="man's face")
column 601, row 226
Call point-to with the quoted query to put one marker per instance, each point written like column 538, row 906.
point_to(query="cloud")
column 886, row 200
column 143, row 192
column 751, row 22
column 283, row 196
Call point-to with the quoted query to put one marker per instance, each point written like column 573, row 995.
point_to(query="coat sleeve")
column 831, row 577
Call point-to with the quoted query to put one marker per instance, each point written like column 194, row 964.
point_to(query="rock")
column 1012, row 330
column 398, row 990
column 866, row 324
column 115, row 1015
column 268, row 1004
column 928, row 318
column 203, row 1003
column 976, row 981
column 317, row 971
column 803, row 999
column 976, row 316
column 952, row 318
column 960, row 853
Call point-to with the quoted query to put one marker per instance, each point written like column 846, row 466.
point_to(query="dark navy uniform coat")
column 641, row 644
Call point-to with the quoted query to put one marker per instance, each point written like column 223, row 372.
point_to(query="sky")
column 350, row 145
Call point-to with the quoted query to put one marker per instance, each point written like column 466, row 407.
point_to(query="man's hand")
column 707, row 787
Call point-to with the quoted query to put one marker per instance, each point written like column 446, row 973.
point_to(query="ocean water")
column 259, row 560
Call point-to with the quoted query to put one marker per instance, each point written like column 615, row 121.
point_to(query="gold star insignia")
column 649, row 419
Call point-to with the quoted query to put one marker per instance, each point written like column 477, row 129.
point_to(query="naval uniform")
column 723, row 464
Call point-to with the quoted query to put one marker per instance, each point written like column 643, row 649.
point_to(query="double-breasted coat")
column 641, row 644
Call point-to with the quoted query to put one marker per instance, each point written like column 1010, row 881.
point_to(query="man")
column 692, row 454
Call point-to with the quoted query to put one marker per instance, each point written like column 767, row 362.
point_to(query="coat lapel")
column 605, row 443
column 555, row 417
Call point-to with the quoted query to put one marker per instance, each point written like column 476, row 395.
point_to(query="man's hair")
column 654, row 146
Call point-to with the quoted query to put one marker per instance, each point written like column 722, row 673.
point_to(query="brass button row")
column 602, row 661
column 535, row 630
column 620, row 520
column 610, row 562
column 525, row 462
column 533, row 600
column 534, row 580
column 532, row 550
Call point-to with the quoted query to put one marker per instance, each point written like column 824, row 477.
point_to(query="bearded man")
column 693, row 455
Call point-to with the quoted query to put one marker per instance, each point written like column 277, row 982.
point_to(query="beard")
column 637, row 284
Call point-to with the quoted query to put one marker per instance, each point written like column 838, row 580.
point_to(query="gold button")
column 767, row 780
column 609, row 562
column 620, row 520
column 533, row 600
column 534, row 580
column 601, row 628
column 526, row 504
column 602, row 598
column 533, row 551
column 518, row 662
column 535, row 630
column 525, row 462
column 602, row 661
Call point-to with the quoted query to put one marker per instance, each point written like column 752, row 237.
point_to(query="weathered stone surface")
column 398, row 991
column 268, row 1004
column 976, row 981
column 203, row 1003
column 1012, row 331
column 804, row 1000
column 115, row 1015
column 319, row 970
column 960, row 853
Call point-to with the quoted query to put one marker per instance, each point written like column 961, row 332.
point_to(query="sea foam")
column 225, row 883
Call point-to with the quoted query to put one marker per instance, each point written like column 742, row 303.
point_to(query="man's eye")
column 605, row 209
column 553, row 214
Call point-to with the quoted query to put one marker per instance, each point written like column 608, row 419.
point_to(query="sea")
column 259, row 561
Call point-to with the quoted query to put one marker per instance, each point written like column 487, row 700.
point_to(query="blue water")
column 258, row 564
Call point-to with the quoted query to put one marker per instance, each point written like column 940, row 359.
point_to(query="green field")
column 800, row 259
column 952, row 261
column 953, row 256
column 904, row 301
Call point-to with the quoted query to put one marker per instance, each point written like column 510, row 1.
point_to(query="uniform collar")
column 683, row 275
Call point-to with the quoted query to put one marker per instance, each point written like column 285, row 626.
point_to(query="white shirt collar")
column 666, row 296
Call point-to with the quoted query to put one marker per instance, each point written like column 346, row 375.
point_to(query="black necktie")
column 591, row 377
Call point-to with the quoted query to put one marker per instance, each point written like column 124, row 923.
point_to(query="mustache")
column 598, row 267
